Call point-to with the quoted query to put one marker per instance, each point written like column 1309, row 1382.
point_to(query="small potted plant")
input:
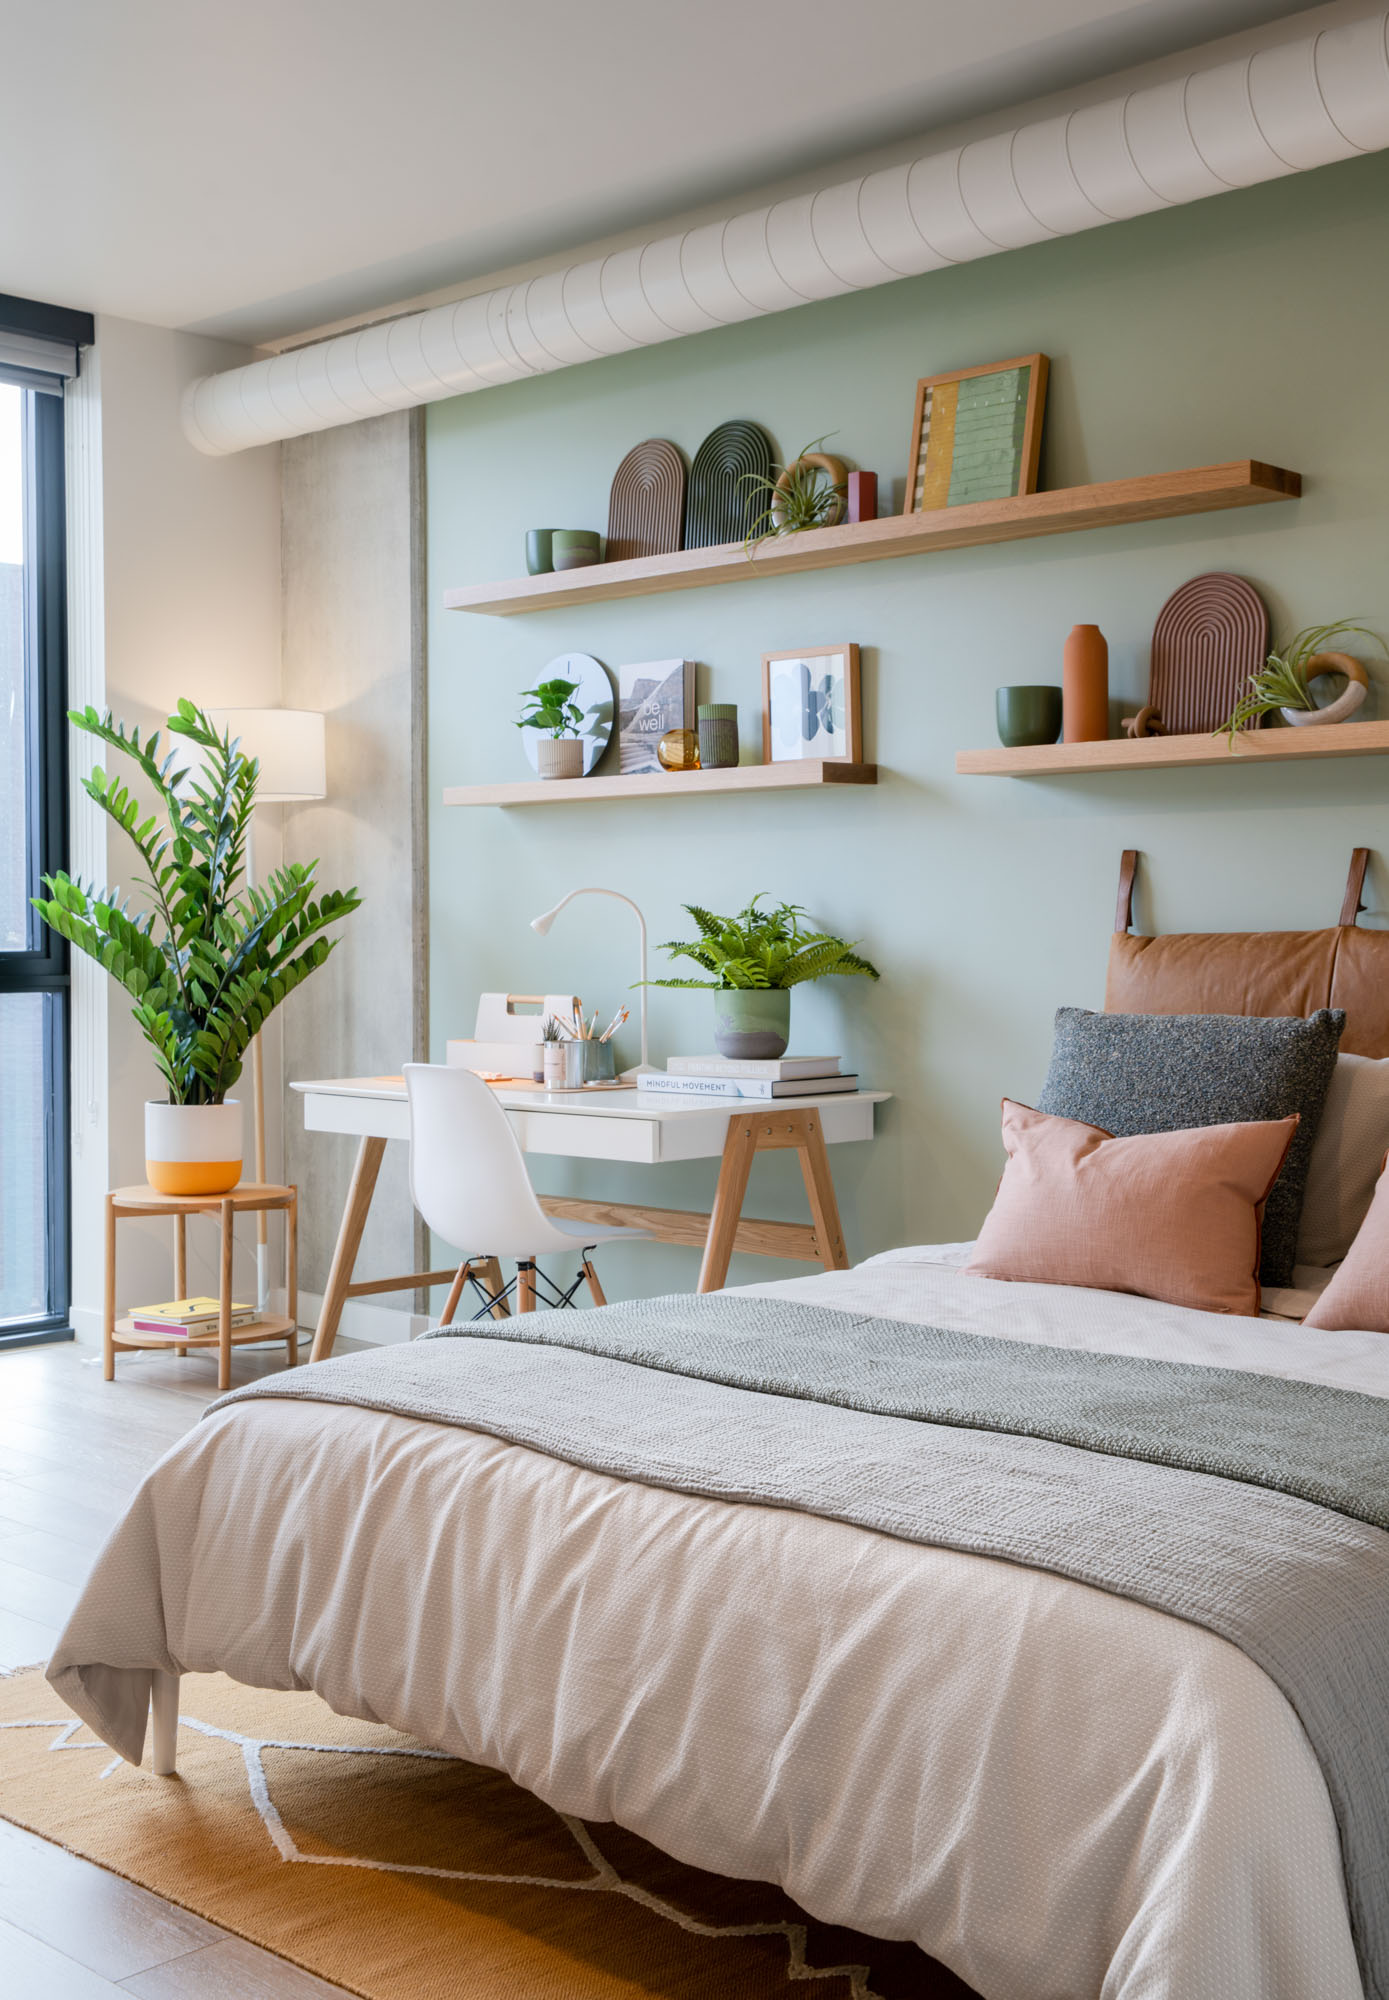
column 755, row 959
column 557, row 719
column 209, row 959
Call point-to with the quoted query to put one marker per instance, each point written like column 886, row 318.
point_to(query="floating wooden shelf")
column 803, row 774
column 1169, row 753
column 1158, row 497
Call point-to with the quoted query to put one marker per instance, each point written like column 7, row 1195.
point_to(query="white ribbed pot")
column 560, row 756
column 193, row 1148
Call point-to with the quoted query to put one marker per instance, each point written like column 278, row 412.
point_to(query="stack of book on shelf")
column 186, row 1316
column 689, row 1077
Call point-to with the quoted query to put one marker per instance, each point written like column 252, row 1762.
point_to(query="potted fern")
column 207, row 961
column 755, row 959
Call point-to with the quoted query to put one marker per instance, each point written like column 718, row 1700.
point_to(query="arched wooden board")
column 1210, row 636
column 646, row 509
column 721, row 506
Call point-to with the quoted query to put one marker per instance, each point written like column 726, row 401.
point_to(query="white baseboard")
column 379, row 1326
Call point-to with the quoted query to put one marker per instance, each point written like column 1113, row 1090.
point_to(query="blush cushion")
column 1169, row 1215
column 1130, row 1073
column 1357, row 1299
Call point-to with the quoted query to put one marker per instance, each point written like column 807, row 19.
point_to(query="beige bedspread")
column 1055, row 1791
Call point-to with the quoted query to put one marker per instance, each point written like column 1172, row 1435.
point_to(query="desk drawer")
column 587, row 1138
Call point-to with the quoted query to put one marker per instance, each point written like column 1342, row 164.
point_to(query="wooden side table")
column 250, row 1197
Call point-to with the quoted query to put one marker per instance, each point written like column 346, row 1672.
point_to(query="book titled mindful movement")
column 651, row 699
column 666, row 1084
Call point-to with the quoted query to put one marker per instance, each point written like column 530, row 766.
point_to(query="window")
column 33, row 807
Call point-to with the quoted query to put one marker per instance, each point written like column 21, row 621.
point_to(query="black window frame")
column 44, row 967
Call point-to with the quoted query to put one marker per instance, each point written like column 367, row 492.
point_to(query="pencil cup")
column 588, row 1062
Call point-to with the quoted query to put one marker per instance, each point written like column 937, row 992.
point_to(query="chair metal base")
column 531, row 1283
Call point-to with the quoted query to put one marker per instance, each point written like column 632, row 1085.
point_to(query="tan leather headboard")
column 1257, row 972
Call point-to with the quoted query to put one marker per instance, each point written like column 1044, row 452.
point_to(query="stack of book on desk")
column 689, row 1077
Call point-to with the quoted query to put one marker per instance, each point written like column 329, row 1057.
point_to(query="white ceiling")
column 257, row 168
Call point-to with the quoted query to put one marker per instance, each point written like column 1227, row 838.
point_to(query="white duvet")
column 1060, row 1794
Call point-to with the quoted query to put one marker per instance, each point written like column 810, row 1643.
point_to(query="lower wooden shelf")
column 801, row 774
column 1167, row 753
column 273, row 1326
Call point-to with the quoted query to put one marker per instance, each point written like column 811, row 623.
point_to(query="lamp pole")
column 543, row 923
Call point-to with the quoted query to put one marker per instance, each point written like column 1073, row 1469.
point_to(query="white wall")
column 174, row 589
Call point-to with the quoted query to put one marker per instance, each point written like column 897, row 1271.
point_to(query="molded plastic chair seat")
column 468, row 1180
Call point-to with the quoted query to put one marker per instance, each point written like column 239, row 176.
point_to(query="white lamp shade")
column 288, row 742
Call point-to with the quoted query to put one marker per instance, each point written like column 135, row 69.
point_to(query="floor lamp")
column 288, row 742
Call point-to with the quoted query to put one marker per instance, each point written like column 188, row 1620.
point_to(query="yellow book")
column 186, row 1315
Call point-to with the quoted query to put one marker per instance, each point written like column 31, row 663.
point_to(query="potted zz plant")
column 755, row 959
column 208, row 961
column 558, row 719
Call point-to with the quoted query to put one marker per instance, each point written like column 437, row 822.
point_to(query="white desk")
column 612, row 1125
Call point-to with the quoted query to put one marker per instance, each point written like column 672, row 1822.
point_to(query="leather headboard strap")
column 1257, row 972
column 1354, row 900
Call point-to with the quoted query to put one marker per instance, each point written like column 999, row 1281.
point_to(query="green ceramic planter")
column 753, row 1023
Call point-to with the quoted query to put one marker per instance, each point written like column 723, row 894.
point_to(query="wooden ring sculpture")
column 1353, row 697
column 839, row 479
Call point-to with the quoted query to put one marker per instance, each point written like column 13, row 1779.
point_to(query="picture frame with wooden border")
column 975, row 438
column 811, row 705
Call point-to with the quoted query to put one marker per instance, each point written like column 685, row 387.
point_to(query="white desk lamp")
column 542, row 924
column 289, row 744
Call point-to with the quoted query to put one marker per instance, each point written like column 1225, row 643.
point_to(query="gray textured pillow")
column 1134, row 1073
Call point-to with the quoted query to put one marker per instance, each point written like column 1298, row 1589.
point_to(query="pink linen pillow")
column 1169, row 1215
column 1357, row 1299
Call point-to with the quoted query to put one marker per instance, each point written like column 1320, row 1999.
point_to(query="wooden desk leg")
column 819, row 1188
column 224, row 1316
column 108, row 1334
column 292, row 1278
column 181, row 1270
column 354, row 1216
column 491, row 1270
column 525, row 1287
column 738, row 1149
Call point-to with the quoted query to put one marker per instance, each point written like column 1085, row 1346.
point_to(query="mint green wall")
column 1249, row 326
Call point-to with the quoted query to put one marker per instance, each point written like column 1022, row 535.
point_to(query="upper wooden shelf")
column 798, row 774
column 1168, row 753
column 1158, row 497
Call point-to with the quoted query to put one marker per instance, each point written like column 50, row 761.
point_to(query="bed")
column 1079, row 1716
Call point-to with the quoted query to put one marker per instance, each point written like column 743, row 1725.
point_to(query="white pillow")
column 1347, row 1155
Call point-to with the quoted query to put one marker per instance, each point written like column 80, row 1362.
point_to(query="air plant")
column 1282, row 681
column 801, row 496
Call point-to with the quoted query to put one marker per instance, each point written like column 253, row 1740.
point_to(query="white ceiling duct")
column 1287, row 107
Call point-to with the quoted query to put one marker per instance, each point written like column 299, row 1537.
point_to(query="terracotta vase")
column 1085, row 686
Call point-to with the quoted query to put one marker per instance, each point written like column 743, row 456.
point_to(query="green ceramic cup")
column 539, row 551
column 574, row 548
column 1028, row 715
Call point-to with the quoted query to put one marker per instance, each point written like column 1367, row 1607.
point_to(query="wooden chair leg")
column 455, row 1292
column 592, row 1278
column 525, row 1287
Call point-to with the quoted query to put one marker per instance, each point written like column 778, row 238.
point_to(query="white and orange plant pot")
column 193, row 1148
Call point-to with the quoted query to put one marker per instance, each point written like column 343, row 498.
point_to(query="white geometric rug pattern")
column 605, row 1879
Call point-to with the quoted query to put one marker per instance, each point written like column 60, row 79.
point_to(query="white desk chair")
column 468, row 1180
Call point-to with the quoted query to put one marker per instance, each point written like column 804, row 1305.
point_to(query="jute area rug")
column 402, row 1874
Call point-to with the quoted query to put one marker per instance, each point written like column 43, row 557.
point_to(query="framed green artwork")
column 976, row 434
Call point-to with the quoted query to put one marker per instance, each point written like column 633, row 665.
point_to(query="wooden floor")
column 72, row 1450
